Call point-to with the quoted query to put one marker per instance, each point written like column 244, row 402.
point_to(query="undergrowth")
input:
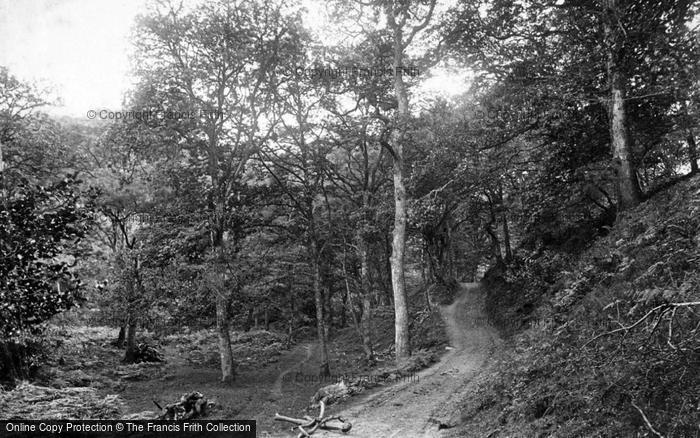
column 605, row 342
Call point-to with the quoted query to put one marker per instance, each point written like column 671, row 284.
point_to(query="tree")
column 217, row 62
column 44, row 217
column 617, row 59
column 41, row 228
column 296, row 161
column 629, row 193
column 33, row 147
column 123, row 163
column 398, row 15
column 358, row 170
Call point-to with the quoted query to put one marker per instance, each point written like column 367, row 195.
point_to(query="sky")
column 80, row 48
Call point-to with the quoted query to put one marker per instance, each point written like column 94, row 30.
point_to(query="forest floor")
column 272, row 377
column 426, row 406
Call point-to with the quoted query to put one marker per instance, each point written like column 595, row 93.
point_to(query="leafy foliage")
column 41, row 228
column 609, row 334
column 40, row 231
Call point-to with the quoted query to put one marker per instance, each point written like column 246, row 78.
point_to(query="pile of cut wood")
column 190, row 405
column 146, row 353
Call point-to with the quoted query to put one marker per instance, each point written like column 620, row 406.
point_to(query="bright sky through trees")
column 83, row 47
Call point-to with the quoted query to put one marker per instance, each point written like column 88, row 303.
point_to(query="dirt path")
column 270, row 394
column 276, row 390
column 422, row 408
column 414, row 408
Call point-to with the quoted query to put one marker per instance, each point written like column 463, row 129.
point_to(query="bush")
column 37, row 225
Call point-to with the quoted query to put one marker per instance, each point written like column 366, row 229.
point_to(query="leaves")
column 39, row 227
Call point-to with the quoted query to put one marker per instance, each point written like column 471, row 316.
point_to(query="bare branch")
column 665, row 307
column 646, row 421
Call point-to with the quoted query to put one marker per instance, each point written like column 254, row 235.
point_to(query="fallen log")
column 191, row 405
column 147, row 353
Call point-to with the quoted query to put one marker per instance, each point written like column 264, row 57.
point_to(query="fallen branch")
column 646, row 421
column 639, row 321
column 308, row 425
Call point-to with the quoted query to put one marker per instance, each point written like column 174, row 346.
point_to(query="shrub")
column 38, row 227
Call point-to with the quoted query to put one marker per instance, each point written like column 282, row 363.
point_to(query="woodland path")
column 426, row 407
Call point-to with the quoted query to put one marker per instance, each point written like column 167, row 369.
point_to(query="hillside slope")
column 604, row 342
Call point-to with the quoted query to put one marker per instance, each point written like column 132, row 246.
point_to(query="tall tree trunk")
column 398, row 248
column 344, row 317
column 132, row 287
column 357, row 320
column 248, row 324
column 506, row 238
column 434, row 271
column 424, row 267
column 361, row 321
column 692, row 152
column 10, row 362
column 365, row 281
column 121, row 337
column 328, row 308
column 223, row 299
column 492, row 229
column 495, row 244
column 130, row 354
column 3, row 189
column 450, row 271
column 228, row 371
column 223, row 303
column 388, row 295
column 218, row 245
column 350, row 305
column 324, row 367
column 292, row 314
column 628, row 190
